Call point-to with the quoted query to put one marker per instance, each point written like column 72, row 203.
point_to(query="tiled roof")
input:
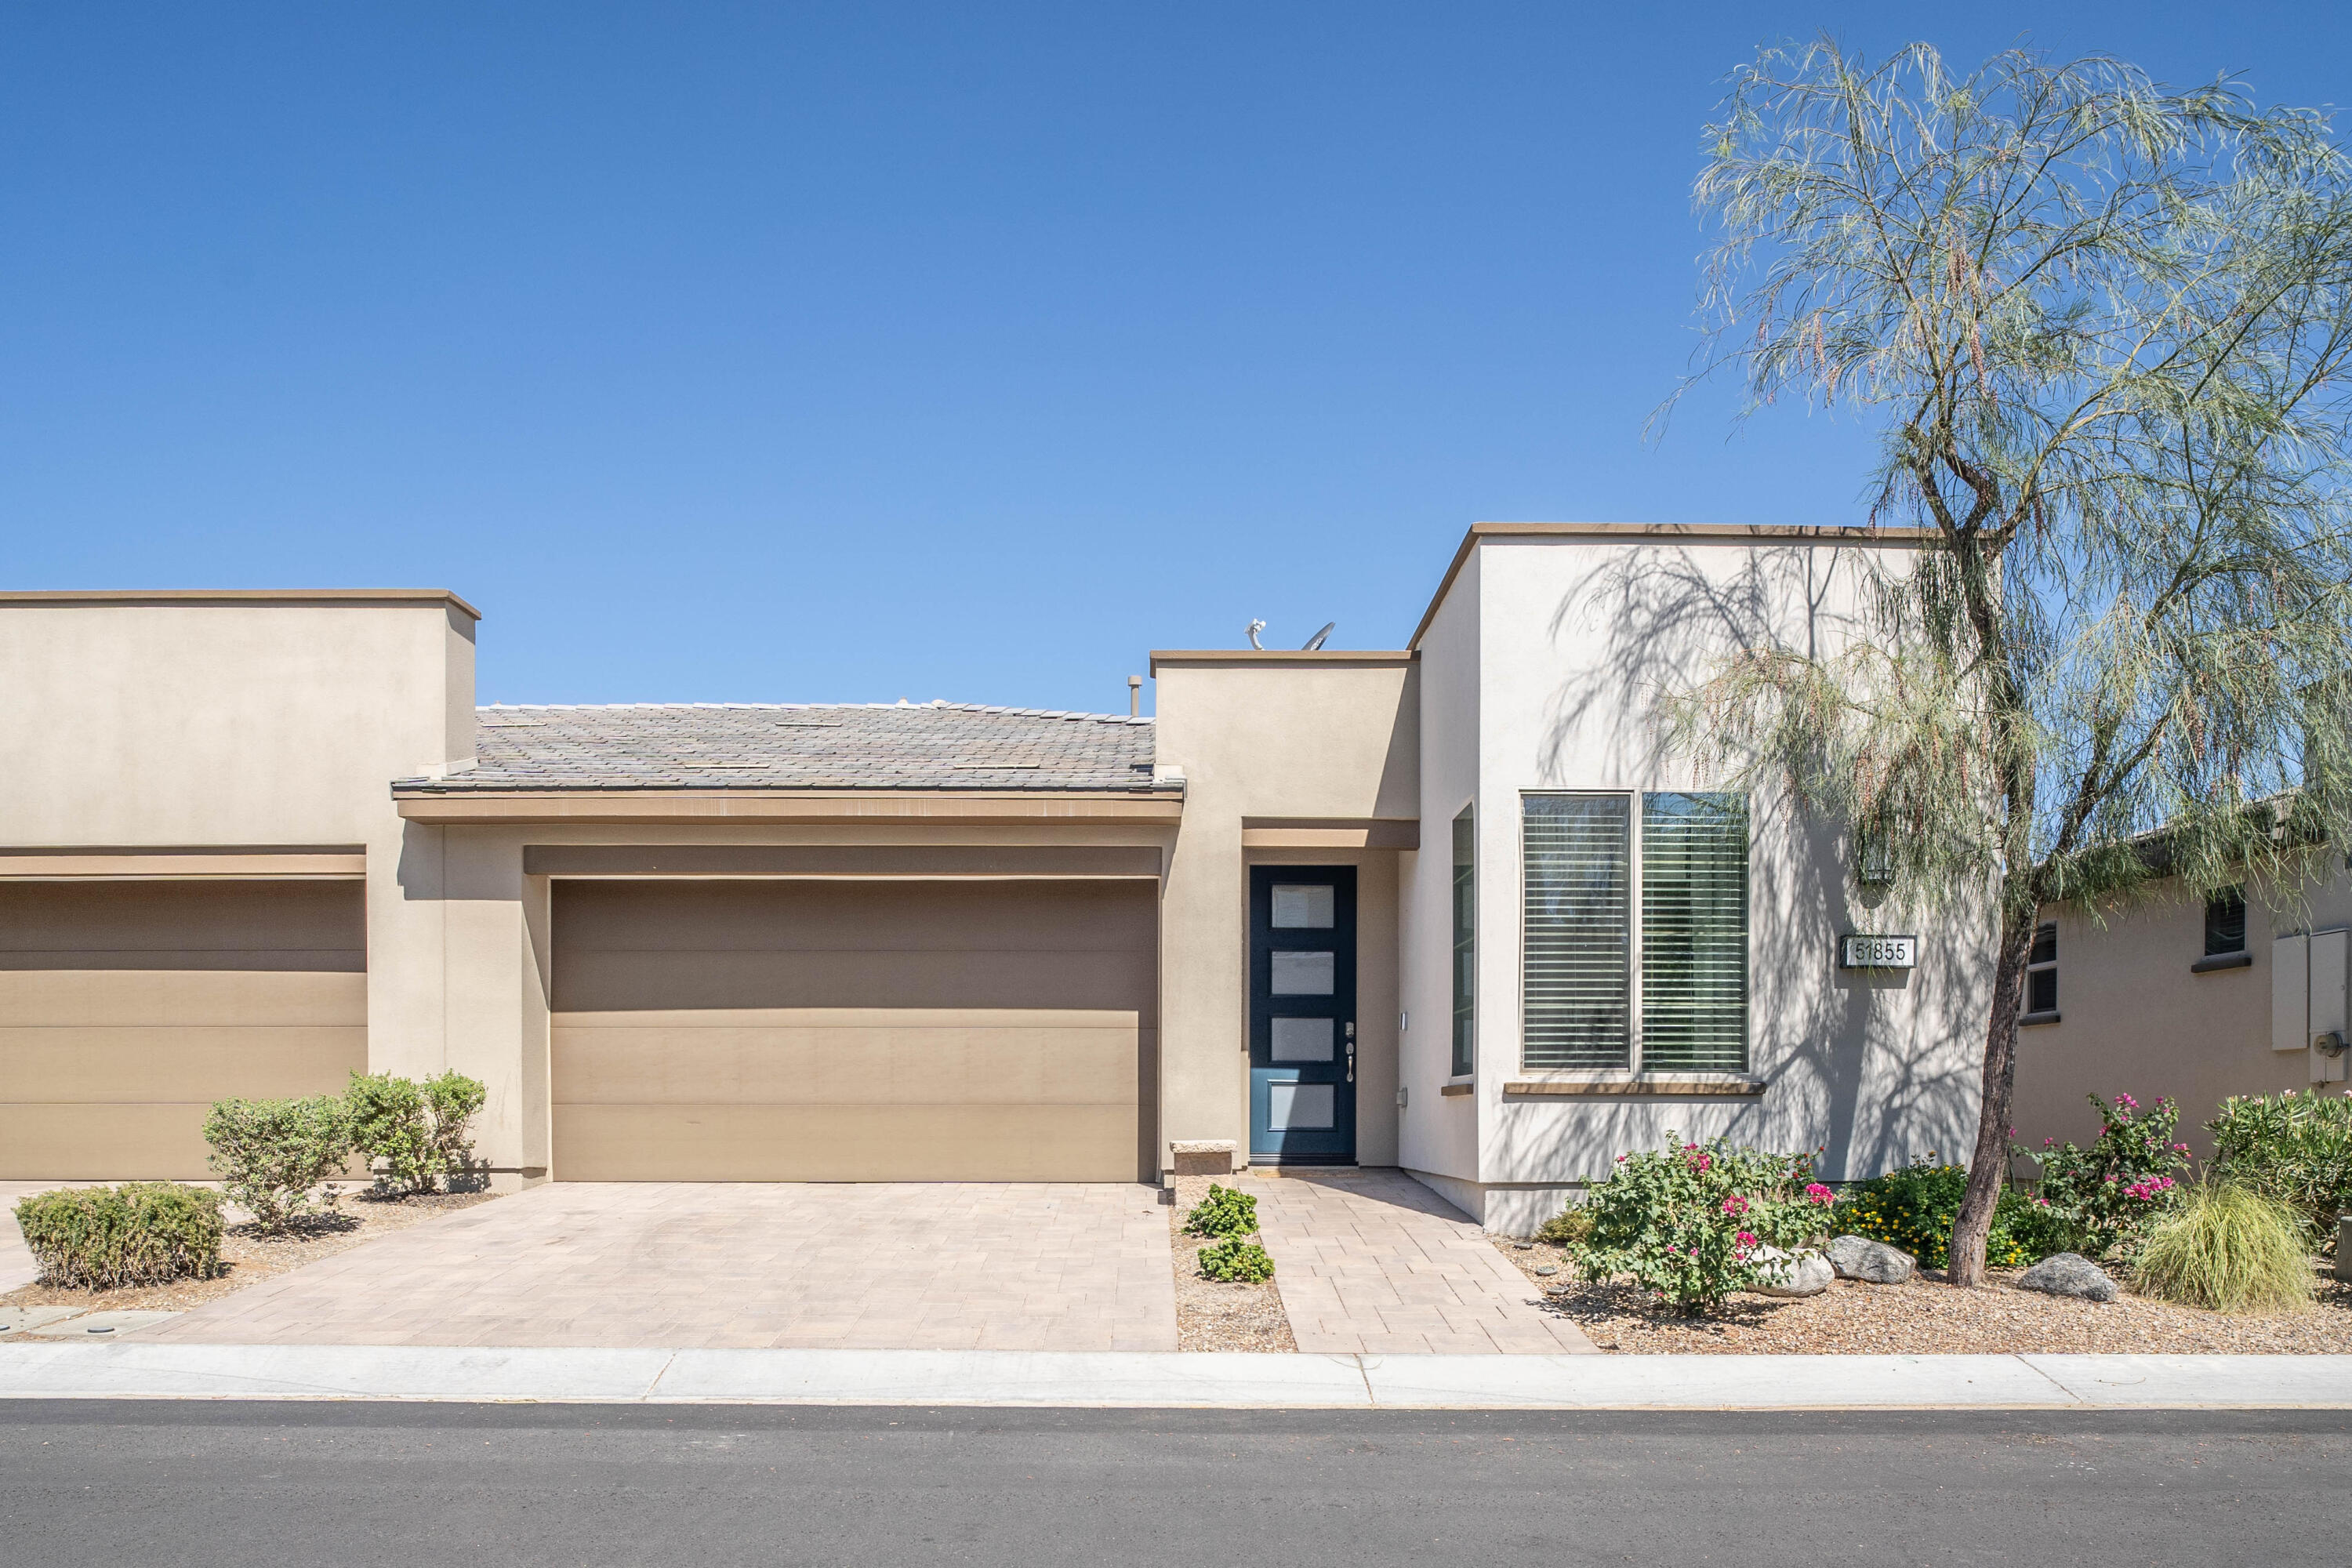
column 745, row 745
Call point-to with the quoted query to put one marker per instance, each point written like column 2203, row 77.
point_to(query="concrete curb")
column 1160, row 1381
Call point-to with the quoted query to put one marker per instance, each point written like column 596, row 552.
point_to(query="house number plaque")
column 1878, row 952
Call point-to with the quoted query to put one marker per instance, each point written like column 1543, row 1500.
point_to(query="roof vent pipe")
column 1134, row 697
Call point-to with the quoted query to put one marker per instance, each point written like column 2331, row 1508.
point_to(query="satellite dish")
column 1255, row 627
column 1316, row 641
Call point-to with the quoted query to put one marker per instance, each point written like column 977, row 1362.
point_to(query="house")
column 2194, row 999
column 1454, row 907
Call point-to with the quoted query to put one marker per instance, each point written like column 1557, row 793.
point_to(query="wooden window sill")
column 1457, row 1089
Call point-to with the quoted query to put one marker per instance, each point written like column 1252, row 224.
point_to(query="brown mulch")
column 1213, row 1316
column 248, row 1258
column 1926, row 1316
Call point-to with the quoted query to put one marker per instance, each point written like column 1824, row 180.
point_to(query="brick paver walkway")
column 1374, row 1261
column 947, row 1266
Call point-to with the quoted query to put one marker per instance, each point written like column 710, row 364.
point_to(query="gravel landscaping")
column 1927, row 1317
column 249, row 1258
column 1210, row 1316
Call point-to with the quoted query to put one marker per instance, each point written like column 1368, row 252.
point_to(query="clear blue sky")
column 811, row 352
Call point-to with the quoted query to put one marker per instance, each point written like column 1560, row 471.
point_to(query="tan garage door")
column 126, row 1008
column 853, row 1031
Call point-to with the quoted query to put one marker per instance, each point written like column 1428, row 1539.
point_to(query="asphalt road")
column 412, row 1486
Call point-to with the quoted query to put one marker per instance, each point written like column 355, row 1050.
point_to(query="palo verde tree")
column 2105, row 331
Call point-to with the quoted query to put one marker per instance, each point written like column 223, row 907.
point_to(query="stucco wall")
column 1439, row 1133
column 1576, row 641
column 1284, row 737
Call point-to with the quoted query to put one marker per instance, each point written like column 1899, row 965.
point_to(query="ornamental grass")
column 2228, row 1248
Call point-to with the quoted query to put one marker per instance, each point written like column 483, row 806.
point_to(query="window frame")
column 1635, row 877
column 2221, row 902
column 2035, row 965
column 1462, row 1041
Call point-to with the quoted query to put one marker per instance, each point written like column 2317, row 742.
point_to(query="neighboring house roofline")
column 238, row 596
column 1689, row 532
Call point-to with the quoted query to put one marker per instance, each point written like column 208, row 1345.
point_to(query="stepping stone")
column 95, row 1326
column 18, row 1319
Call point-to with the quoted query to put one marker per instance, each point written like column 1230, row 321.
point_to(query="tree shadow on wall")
column 1877, row 1084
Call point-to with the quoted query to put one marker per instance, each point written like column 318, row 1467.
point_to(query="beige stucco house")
column 2191, row 998
column 1452, row 906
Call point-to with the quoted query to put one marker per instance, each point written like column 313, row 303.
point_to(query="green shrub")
column 1235, row 1261
column 2292, row 1148
column 1224, row 1213
column 412, row 1133
column 1570, row 1227
column 2111, row 1191
column 1688, row 1220
column 390, row 1128
column 142, row 1232
column 271, row 1152
column 1914, row 1207
column 451, row 1101
column 2230, row 1248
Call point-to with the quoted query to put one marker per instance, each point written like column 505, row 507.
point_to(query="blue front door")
column 1303, row 1013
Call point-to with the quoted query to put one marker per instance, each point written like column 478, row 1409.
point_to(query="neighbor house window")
column 1583, row 943
column 2225, row 923
column 2042, row 972
column 1465, row 942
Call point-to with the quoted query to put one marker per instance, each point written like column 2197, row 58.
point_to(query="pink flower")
column 1735, row 1205
column 2180, row 1148
column 2128, row 1099
column 2043, row 1201
column 1817, row 1194
column 1745, row 1239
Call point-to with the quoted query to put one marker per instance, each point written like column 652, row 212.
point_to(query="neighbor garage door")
column 853, row 1031
column 126, row 1008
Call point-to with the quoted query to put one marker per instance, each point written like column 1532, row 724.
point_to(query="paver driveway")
column 1374, row 1261
column 875, row 1265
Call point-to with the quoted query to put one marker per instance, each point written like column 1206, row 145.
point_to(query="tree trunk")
column 1989, row 1163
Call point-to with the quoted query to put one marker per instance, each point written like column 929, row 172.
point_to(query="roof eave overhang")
column 804, row 806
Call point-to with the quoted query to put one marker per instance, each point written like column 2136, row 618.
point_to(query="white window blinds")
column 1694, row 932
column 1577, row 930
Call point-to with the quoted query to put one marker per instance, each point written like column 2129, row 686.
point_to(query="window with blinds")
column 1576, row 938
column 1465, row 942
column 1693, row 933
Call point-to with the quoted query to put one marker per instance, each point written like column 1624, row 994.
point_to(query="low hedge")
column 142, row 1232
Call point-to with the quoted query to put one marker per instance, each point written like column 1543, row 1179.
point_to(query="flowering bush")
column 2292, row 1148
column 2125, row 1181
column 1914, row 1207
column 1688, row 1220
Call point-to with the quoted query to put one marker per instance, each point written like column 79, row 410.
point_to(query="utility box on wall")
column 2311, row 1000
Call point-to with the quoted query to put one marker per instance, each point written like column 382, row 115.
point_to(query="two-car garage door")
column 821, row 1030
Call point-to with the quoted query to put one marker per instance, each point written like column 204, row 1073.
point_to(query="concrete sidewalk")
column 1163, row 1381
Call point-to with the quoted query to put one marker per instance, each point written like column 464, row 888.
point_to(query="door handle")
column 1351, row 1052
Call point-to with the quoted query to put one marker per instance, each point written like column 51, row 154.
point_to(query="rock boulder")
column 1872, row 1262
column 1803, row 1274
column 2069, row 1274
